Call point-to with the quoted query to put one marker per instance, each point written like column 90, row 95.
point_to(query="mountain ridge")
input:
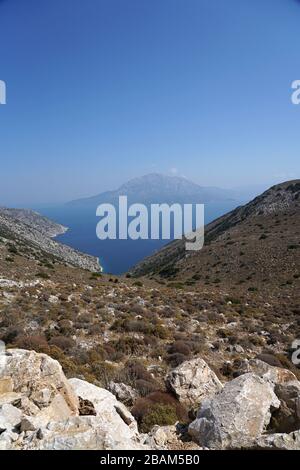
column 155, row 187
column 29, row 229
column 267, row 224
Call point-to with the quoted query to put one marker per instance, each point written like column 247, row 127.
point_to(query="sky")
column 100, row 91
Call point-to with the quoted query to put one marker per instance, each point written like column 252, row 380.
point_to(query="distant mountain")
column 157, row 188
column 27, row 231
column 253, row 246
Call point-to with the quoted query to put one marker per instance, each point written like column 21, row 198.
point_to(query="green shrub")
column 162, row 415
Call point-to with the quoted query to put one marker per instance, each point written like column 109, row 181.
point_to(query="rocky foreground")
column 41, row 409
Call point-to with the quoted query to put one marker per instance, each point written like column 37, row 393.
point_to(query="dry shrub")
column 176, row 359
column 128, row 345
column 158, row 408
column 36, row 343
column 180, row 347
column 62, row 342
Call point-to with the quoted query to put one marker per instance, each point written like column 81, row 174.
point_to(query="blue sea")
column 116, row 256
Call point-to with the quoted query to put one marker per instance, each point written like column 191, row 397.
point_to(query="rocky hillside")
column 196, row 363
column 40, row 409
column 44, row 225
column 253, row 247
column 28, row 231
column 128, row 336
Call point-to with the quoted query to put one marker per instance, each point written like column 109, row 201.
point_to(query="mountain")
column 157, row 188
column 253, row 246
column 27, row 231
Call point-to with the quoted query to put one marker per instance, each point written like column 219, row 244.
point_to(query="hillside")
column 128, row 336
column 27, row 232
column 254, row 247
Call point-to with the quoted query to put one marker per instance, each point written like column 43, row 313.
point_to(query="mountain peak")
column 159, row 188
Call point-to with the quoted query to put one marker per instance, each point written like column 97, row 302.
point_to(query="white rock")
column 106, row 406
column 124, row 393
column 276, row 375
column 193, row 381
column 10, row 416
column 236, row 416
column 38, row 377
column 82, row 433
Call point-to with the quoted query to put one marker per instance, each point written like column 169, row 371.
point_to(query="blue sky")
column 99, row 91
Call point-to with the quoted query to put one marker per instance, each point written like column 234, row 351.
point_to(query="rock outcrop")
column 41, row 409
column 236, row 416
column 276, row 375
column 282, row 441
column 192, row 382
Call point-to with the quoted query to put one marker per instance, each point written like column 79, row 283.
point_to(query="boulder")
column 236, row 416
column 107, row 407
column 39, row 378
column 192, row 382
column 287, row 388
column 124, row 393
column 287, row 418
column 279, row 441
column 39, row 409
column 276, row 375
column 82, row 433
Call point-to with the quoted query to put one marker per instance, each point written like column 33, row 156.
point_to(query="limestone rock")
column 236, row 416
column 192, row 382
column 274, row 374
column 10, row 417
column 83, row 433
column 124, row 393
column 107, row 406
column 39, row 378
column 279, row 442
column 6, row 385
column 287, row 418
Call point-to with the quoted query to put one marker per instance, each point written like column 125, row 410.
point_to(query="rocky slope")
column 28, row 230
column 41, row 410
column 256, row 246
column 44, row 225
column 176, row 354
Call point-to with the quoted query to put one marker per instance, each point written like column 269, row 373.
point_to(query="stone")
column 280, row 441
column 236, row 416
column 274, row 374
column 10, row 417
column 7, row 438
column 39, row 378
column 83, row 433
column 107, row 406
column 170, row 438
column 287, row 418
column 6, row 385
column 10, row 397
column 58, row 410
column 192, row 382
column 124, row 393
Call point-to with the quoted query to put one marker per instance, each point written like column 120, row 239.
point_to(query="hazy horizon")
column 101, row 92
